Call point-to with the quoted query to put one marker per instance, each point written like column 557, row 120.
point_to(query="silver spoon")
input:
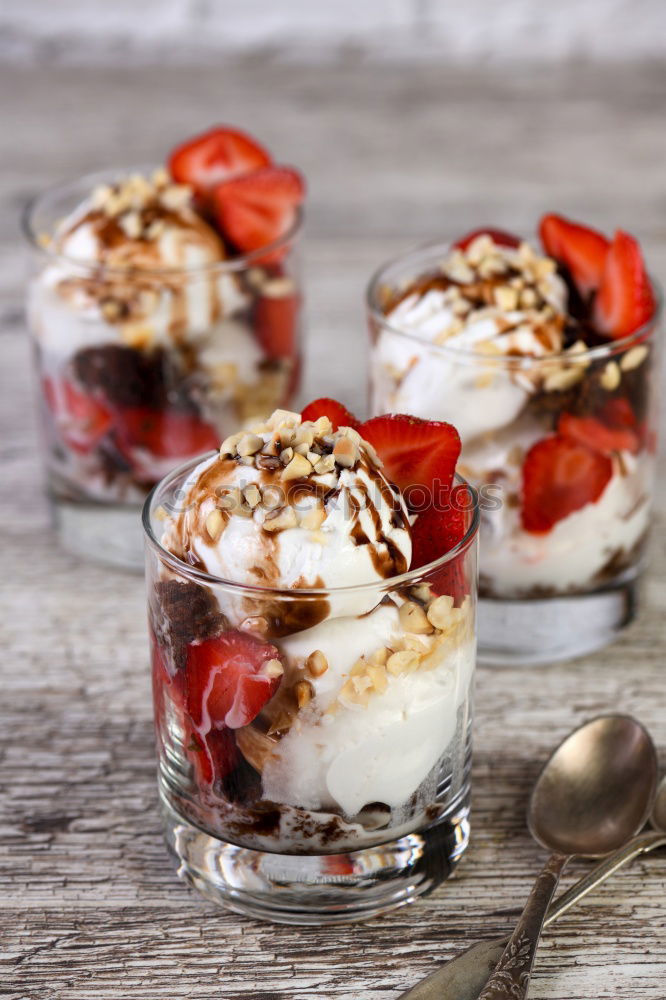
column 609, row 745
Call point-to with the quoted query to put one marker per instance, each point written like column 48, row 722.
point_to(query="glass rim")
column 209, row 579
column 507, row 360
column 229, row 265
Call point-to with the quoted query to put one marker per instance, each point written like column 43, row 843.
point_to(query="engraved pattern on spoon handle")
column 511, row 978
column 604, row 869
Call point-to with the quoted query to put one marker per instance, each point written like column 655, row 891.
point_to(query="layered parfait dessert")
column 313, row 635
column 545, row 359
column 165, row 312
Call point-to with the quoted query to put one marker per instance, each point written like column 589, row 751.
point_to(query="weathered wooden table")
column 90, row 906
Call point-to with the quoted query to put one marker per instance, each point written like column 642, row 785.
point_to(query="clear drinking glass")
column 142, row 367
column 571, row 590
column 348, row 795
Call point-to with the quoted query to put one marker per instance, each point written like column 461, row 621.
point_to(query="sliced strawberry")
column 419, row 455
column 338, row 414
column 582, row 250
column 165, row 433
column 625, row 300
column 258, row 208
column 82, row 419
column 436, row 532
column 215, row 156
column 276, row 324
column 499, row 236
column 229, row 679
column 597, row 435
column 559, row 477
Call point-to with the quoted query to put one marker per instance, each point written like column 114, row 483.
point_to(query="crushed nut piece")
column 280, row 519
column 506, row 298
column 377, row 676
column 250, row 444
column 324, row 465
column 230, row 445
column 304, row 693
column 176, row 196
column 404, row 661
column 160, row 177
column 313, row 518
column 272, row 669
column 413, row 618
column 610, row 376
column 345, row 452
column 440, row 612
column 297, row 468
column 214, row 524
column 252, row 495
column 563, row 378
column 633, row 358
column 316, row 663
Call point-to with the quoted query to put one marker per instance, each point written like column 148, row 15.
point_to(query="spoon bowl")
column 596, row 790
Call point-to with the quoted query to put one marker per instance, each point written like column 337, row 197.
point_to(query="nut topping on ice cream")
column 293, row 503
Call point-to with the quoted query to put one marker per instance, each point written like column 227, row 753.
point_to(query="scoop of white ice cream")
column 451, row 334
column 293, row 505
column 146, row 227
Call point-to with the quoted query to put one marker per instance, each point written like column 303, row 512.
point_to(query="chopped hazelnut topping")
column 402, row 662
column 278, row 288
column 563, row 378
column 214, row 524
column 110, row 309
column 345, row 452
column 252, row 495
column 316, row 663
column 250, row 444
column 633, row 358
column 304, row 693
column 506, row 298
column 324, row 465
column 230, row 445
column 130, row 223
column 297, row 468
column 160, row 177
column 176, row 196
column 413, row 618
column 440, row 612
column 281, row 519
column 286, row 455
column 287, row 417
column 377, row 676
column 610, row 376
column 313, row 518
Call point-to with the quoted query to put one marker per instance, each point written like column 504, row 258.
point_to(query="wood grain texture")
column 90, row 906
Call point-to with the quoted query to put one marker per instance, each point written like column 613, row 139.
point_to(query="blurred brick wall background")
column 82, row 31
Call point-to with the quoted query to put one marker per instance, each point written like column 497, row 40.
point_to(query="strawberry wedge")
column 258, row 208
column 581, row 250
column 625, row 300
column 560, row 476
column 215, row 156
column 229, row 679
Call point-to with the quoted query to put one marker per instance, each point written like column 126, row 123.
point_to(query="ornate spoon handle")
column 511, row 978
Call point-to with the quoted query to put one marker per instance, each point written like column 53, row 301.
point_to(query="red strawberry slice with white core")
column 419, row 456
column 625, row 300
column 217, row 155
column 581, row 250
column 229, row 679
column 338, row 414
column 597, row 435
column 560, row 476
column 498, row 236
column 276, row 325
column 257, row 209
column 83, row 420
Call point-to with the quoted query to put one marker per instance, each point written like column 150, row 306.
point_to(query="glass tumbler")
column 348, row 794
column 140, row 368
column 563, row 592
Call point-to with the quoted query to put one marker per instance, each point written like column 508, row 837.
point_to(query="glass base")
column 318, row 889
column 106, row 533
column 543, row 630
